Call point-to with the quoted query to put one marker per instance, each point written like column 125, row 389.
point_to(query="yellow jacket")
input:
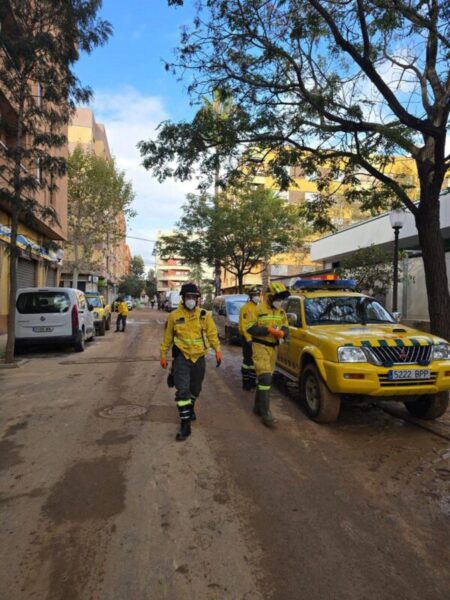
column 123, row 308
column 247, row 317
column 266, row 316
column 193, row 332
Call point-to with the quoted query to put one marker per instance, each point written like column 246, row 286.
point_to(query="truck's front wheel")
column 321, row 405
column 428, row 406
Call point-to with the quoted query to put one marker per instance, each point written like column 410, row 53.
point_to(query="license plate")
column 42, row 329
column 409, row 374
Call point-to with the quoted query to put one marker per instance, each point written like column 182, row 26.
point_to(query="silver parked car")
column 226, row 315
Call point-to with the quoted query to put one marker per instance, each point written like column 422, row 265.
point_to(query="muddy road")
column 97, row 500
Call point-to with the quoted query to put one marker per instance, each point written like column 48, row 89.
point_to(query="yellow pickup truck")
column 346, row 344
column 101, row 312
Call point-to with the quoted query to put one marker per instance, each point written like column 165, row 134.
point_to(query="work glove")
column 218, row 358
column 278, row 333
column 163, row 362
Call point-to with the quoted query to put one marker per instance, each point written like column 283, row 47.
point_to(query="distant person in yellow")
column 247, row 316
column 269, row 327
column 122, row 316
column 190, row 330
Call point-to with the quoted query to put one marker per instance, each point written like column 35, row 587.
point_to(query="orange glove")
column 278, row 333
column 218, row 358
column 163, row 362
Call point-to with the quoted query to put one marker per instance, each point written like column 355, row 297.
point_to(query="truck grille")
column 386, row 382
column 402, row 355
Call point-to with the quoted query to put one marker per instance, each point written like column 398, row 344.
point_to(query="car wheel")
column 108, row 323
column 102, row 328
column 79, row 345
column 428, row 406
column 321, row 405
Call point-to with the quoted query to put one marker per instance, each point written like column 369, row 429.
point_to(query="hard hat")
column 254, row 291
column 278, row 290
column 189, row 288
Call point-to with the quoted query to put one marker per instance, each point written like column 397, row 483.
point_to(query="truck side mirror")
column 293, row 319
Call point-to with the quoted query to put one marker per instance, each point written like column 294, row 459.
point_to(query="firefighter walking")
column 269, row 327
column 246, row 317
column 190, row 331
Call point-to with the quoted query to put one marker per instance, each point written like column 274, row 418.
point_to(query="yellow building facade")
column 111, row 260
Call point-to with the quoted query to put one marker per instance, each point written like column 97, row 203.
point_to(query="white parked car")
column 53, row 315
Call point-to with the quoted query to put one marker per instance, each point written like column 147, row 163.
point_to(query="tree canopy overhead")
column 337, row 88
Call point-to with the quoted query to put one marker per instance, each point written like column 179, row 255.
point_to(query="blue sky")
column 132, row 94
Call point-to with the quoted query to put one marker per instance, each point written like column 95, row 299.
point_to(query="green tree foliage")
column 97, row 193
column 39, row 44
column 371, row 268
column 337, row 88
column 134, row 283
column 242, row 228
column 150, row 284
column 137, row 266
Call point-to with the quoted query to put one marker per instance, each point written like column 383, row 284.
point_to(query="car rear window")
column 31, row 303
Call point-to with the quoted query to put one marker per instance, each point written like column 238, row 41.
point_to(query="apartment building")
column 39, row 240
column 170, row 273
column 112, row 258
column 342, row 215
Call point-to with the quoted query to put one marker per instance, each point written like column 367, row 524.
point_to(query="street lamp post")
column 397, row 218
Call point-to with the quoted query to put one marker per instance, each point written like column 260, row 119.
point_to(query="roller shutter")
column 51, row 277
column 26, row 273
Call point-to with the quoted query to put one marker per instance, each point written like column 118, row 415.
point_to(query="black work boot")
column 257, row 404
column 193, row 415
column 266, row 416
column 185, row 431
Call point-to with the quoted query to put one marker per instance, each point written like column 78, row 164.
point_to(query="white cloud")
column 129, row 117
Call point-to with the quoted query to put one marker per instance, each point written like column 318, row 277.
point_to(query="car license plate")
column 42, row 329
column 409, row 374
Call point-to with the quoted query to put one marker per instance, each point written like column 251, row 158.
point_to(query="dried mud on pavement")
column 99, row 502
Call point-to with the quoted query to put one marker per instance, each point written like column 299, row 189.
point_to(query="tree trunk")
column 217, row 271
column 433, row 254
column 265, row 276
column 240, row 278
column 13, row 253
column 75, row 277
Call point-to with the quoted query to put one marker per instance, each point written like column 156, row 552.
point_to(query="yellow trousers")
column 264, row 358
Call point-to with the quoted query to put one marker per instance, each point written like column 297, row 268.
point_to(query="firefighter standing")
column 270, row 325
column 246, row 317
column 190, row 331
column 122, row 316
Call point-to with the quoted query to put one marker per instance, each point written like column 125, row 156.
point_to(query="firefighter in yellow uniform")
column 269, row 327
column 247, row 316
column 122, row 316
column 190, row 331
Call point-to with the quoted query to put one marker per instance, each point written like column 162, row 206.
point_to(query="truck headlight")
column 441, row 352
column 351, row 354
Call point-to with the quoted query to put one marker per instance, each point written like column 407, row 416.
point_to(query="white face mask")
column 276, row 303
column 256, row 299
column 190, row 304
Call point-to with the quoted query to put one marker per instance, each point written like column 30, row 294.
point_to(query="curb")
column 14, row 365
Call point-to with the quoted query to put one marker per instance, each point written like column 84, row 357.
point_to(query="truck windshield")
column 332, row 310
column 234, row 306
column 94, row 301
